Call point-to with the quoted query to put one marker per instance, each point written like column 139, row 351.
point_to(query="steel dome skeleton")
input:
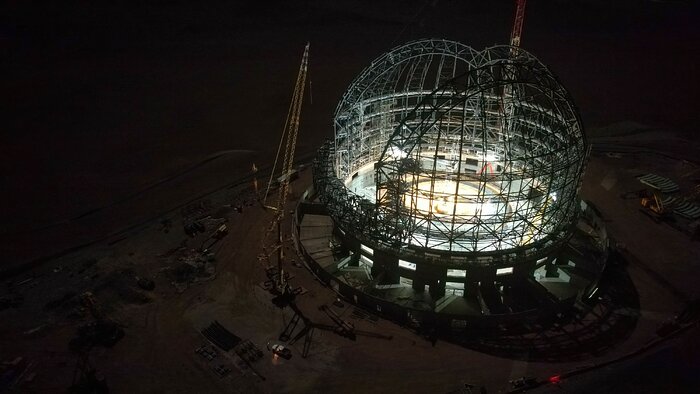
column 432, row 117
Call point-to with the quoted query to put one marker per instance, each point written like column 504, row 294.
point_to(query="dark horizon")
column 104, row 100
column 135, row 247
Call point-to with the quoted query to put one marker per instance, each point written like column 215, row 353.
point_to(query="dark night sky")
column 102, row 100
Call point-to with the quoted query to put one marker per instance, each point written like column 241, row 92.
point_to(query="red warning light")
column 555, row 379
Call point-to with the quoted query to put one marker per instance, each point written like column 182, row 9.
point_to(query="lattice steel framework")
column 471, row 152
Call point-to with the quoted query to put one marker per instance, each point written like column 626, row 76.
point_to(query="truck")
column 280, row 350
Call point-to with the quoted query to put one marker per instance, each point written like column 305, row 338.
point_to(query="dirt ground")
column 162, row 326
column 117, row 117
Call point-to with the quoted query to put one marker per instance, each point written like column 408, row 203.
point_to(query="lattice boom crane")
column 518, row 23
column 289, row 140
column 289, row 137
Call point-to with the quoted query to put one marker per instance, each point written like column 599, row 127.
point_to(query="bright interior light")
column 396, row 152
column 456, row 273
column 442, row 201
column 504, row 271
column 366, row 261
column 407, row 265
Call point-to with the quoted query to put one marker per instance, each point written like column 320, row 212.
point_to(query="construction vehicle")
column 652, row 205
column 280, row 350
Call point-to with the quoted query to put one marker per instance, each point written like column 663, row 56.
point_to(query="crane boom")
column 518, row 23
column 289, row 140
column 289, row 136
column 295, row 112
column 503, row 108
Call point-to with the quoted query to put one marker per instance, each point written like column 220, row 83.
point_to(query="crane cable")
column 291, row 126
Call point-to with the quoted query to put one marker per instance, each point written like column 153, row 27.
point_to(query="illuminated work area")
column 452, row 179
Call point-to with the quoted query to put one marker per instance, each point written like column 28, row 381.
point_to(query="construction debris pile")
column 190, row 267
column 186, row 265
column 220, row 336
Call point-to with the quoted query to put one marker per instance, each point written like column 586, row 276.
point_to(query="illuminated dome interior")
column 443, row 147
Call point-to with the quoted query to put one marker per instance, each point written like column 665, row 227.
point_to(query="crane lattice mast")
column 518, row 23
column 289, row 138
column 503, row 106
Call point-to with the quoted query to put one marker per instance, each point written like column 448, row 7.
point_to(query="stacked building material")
column 220, row 336
column 660, row 183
